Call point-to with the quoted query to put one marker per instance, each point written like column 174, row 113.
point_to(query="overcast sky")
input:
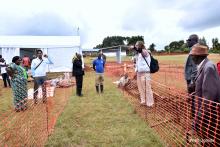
column 159, row 21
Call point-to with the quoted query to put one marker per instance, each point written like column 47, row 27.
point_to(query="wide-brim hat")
column 198, row 50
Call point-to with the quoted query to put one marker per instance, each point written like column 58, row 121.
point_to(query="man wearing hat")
column 207, row 81
column 207, row 88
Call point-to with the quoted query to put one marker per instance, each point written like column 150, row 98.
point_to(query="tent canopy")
column 61, row 49
column 39, row 41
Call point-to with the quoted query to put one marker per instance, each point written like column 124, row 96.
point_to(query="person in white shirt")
column 4, row 74
column 143, row 74
column 38, row 71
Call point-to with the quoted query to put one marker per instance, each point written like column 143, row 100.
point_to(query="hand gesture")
column 45, row 55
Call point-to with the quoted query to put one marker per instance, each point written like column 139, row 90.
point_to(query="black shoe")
column 102, row 88
column 97, row 89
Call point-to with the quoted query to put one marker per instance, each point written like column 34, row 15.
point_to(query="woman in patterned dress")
column 19, row 84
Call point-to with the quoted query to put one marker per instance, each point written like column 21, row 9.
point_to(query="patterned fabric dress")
column 19, row 86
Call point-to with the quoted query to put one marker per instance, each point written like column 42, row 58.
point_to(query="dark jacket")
column 77, row 67
column 190, row 69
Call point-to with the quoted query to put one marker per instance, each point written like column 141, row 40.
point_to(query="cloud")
column 139, row 17
column 39, row 24
column 201, row 15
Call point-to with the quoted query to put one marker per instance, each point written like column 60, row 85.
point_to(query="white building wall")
column 62, row 58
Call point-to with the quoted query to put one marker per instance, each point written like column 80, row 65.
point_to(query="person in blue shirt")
column 98, row 66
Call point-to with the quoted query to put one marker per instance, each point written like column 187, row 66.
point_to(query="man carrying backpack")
column 142, row 69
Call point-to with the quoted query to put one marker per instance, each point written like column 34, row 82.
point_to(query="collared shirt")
column 41, row 69
column 199, row 66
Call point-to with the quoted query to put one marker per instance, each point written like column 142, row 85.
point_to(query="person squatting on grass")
column 19, row 83
column 78, row 72
column 207, row 86
column 123, row 81
column 98, row 66
column 3, row 72
column 143, row 74
column 38, row 71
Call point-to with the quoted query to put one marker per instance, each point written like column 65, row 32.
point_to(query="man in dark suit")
column 78, row 72
column 207, row 92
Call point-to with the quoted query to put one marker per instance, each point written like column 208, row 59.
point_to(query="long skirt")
column 19, row 88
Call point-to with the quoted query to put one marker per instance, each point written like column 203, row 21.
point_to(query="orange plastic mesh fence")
column 31, row 127
column 178, row 118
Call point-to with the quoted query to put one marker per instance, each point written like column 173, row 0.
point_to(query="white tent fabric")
column 9, row 53
column 62, row 59
column 60, row 49
column 39, row 41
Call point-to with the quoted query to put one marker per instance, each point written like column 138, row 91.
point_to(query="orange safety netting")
column 178, row 118
column 31, row 127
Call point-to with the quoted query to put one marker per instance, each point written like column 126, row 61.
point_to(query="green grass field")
column 101, row 120
column 166, row 59
column 180, row 59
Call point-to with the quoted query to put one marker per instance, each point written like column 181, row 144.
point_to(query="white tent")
column 60, row 49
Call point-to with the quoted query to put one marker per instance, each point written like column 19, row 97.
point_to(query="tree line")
column 172, row 47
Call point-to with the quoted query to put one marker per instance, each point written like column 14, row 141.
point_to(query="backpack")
column 154, row 65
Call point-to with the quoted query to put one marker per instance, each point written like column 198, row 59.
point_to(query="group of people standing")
column 78, row 72
column 203, row 85
column 18, row 75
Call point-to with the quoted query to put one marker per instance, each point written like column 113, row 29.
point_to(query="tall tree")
column 203, row 41
column 119, row 40
column 215, row 45
column 133, row 39
column 152, row 47
column 175, row 46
